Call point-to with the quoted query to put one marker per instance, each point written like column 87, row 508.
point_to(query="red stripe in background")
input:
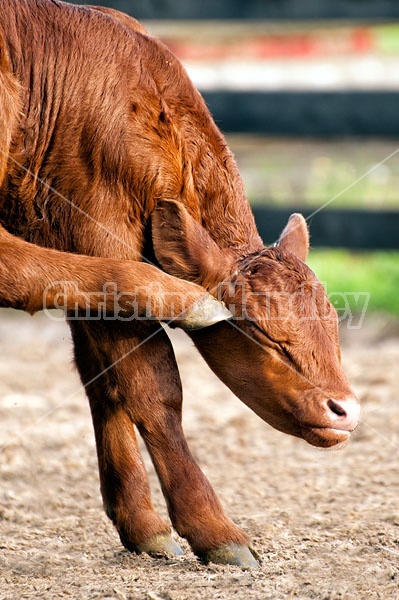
column 279, row 46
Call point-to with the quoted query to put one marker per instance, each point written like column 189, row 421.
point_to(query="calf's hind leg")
column 143, row 388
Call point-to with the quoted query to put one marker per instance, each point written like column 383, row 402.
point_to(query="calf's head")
column 280, row 352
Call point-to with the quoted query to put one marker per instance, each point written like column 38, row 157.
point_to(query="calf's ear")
column 184, row 248
column 295, row 237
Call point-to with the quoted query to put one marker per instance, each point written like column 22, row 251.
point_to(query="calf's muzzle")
column 337, row 422
column 344, row 414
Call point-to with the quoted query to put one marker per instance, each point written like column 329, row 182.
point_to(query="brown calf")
column 108, row 154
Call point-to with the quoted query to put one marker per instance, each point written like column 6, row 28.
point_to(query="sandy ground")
column 325, row 524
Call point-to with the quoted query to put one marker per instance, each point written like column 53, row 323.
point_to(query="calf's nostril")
column 336, row 408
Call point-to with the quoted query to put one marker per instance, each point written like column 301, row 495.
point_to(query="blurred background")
column 307, row 95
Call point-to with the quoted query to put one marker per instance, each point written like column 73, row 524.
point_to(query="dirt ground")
column 325, row 524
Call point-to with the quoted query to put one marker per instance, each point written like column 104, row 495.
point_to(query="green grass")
column 375, row 273
column 387, row 38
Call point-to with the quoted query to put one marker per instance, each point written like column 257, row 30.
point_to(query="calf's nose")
column 344, row 413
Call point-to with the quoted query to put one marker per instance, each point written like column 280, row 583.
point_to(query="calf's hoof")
column 231, row 554
column 160, row 545
column 203, row 313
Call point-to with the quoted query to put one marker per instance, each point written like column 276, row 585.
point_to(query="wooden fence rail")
column 352, row 229
column 315, row 114
column 256, row 9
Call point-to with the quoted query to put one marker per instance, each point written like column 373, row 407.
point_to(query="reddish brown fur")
column 101, row 129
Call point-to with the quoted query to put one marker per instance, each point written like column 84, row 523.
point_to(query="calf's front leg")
column 124, row 483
